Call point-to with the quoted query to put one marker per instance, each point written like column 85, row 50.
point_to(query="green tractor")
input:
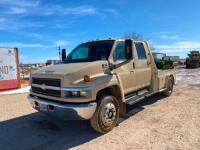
column 164, row 64
column 193, row 60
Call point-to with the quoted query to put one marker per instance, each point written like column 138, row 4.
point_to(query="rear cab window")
column 140, row 50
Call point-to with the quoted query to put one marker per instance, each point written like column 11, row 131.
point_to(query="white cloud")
column 14, row 13
column 34, row 45
column 35, row 35
column 74, row 34
column 26, row 8
column 14, row 24
column 2, row 20
column 20, row 45
column 108, row 11
column 15, row 16
column 17, row 10
column 16, row 7
column 184, row 46
column 180, row 45
column 80, row 10
column 20, row 3
column 61, row 10
column 61, row 43
column 170, row 37
column 23, row 58
column 166, row 32
column 36, row 7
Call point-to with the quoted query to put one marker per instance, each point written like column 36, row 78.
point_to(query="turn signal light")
column 87, row 78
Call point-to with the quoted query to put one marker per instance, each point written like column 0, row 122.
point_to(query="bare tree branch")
column 134, row 36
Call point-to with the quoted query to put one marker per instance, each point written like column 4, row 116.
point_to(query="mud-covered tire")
column 98, row 120
column 169, row 88
column 197, row 65
column 187, row 66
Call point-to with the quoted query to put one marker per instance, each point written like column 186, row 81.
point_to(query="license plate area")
column 43, row 107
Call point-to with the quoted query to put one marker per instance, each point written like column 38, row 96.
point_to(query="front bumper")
column 65, row 111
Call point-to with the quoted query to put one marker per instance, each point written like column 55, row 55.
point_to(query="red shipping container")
column 9, row 69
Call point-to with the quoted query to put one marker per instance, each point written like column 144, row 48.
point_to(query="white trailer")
column 9, row 69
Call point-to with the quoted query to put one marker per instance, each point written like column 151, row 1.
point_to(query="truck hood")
column 72, row 69
column 62, row 69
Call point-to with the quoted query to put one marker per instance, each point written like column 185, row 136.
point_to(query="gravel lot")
column 156, row 123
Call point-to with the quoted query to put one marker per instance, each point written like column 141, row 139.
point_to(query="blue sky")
column 38, row 27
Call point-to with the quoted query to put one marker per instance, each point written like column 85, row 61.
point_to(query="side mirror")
column 63, row 54
column 129, row 49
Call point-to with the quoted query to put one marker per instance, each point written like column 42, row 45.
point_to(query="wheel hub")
column 108, row 114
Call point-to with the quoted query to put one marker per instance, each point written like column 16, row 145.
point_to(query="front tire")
column 106, row 115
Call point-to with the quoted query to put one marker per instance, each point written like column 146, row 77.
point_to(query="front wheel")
column 106, row 115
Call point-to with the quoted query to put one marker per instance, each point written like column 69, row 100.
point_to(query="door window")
column 119, row 53
column 140, row 51
column 80, row 53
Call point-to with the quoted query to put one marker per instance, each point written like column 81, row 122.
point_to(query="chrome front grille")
column 48, row 82
column 49, row 87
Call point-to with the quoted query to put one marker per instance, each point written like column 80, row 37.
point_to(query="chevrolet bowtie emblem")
column 43, row 86
column 49, row 71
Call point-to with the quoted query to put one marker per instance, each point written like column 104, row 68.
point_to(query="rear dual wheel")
column 106, row 115
column 169, row 87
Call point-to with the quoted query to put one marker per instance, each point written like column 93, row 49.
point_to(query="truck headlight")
column 77, row 92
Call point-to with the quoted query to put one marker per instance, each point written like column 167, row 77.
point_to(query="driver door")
column 126, row 72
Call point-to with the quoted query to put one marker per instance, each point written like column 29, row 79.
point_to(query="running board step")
column 139, row 93
column 130, row 100
column 134, row 99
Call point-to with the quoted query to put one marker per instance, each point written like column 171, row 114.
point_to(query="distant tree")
column 153, row 49
column 134, row 36
column 137, row 36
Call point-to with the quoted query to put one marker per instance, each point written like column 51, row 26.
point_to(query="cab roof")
column 113, row 39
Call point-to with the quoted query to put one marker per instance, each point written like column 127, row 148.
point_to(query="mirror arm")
column 115, row 66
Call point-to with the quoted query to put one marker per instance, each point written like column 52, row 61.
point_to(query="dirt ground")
column 158, row 123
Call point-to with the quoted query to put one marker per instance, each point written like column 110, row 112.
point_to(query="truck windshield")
column 90, row 51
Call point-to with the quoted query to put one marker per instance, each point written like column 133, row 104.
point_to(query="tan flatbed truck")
column 97, row 80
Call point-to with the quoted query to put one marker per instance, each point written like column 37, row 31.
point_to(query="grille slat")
column 47, row 82
column 46, row 92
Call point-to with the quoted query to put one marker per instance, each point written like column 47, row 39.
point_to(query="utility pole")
column 59, row 53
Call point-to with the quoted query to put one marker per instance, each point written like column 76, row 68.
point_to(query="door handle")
column 132, row 71
column 133, row 65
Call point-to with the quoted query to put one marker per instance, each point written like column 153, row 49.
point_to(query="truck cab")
column 97, row 80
